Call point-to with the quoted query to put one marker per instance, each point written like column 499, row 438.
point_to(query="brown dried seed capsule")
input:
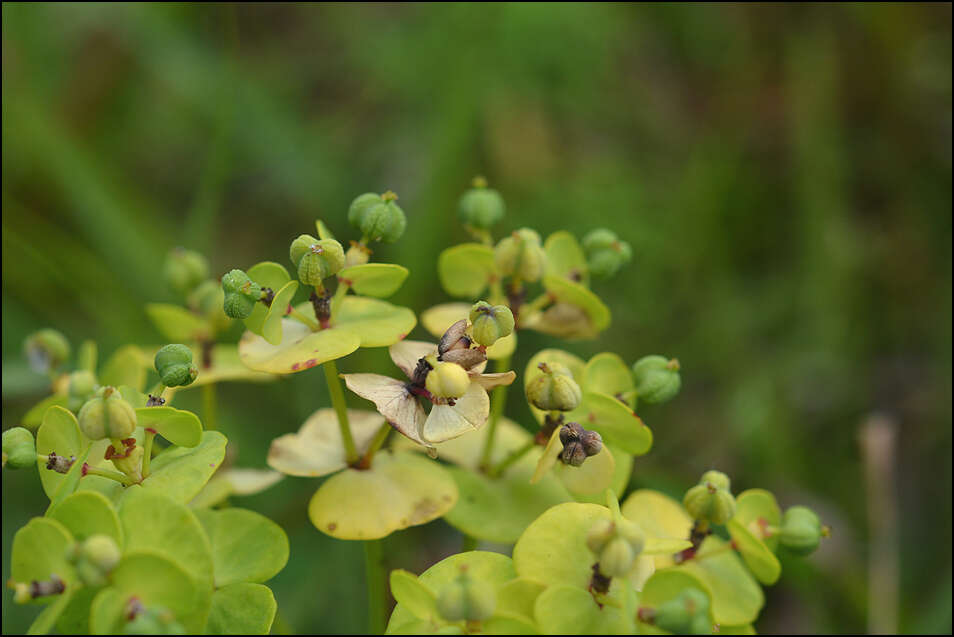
column 466, row 358
column 453, row 334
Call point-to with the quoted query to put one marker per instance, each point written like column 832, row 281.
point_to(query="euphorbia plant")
column 124, row 546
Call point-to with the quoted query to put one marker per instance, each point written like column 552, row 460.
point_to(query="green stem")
column 377, row 592
column 209, row 411
column 376, row 443
column 147, row 452
column 311, row 323
column 497, row 403
column 107, row 473
column 338, row 297
column 341, row 409
column 512, row 458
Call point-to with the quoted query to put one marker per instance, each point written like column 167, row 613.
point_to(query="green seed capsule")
column 174, row 364
column 316, row 259
column 241, row 294
column 107, row 415
column 490, row 322
column 605, row 253
column 521, row 255
column 555, row 389
column 378, row 217
column 600, row 534
column 617, row 558
column 717, row 479
column 467, row 599
column 46, row 350
column 681, row 614
column 95, row 558
column 656, row 378
column 447, row 380
column 710, row 502
column 801, row 530
column 19, row 448
column 481, row 207
column 184, row 270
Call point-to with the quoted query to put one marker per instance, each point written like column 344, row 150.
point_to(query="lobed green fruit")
column 490, row 322
column 801, row 530
column 19, row 448
column 316, row 259
column 107, row 415
column 481, row 207
column 707, row 501
column 174, row 364
column 46, row 349
column 656, row 378
column 616, row 545
column 95, row 558
column 605, row 253
column 184, row 270
column 555, row 389
column 447, row 380
column 467, row 599
column 521, row 255
column 241, row 294
column 377, row 217
column 617, row 558
column 717, row 479
column 79, row 389
column 685, row 614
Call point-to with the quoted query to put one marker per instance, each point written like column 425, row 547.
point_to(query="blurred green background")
column 783, row 173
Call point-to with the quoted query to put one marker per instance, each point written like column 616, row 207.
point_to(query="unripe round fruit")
column 632, row 533
column 174, row 364
column 378, row 217
column 184, row 270
column 19, row 448
column 717, row 479
column 107, row 415
column 101, row 551
column 707, row 502
column 490, row 322
column 554, row 390
column 241, row 294
column 656, row 378
column 447, row 380
column 600, row 534
column 467, row 599
column 680, row 614
column 46, row 349
column 521, row 255
column 80, row 388
column 617, row 558
column 316, row 259
column 481, row 207
column 605, row 253
column 801, row 530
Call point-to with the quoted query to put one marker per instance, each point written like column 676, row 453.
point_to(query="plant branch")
column 341, row 409
column 497, row 404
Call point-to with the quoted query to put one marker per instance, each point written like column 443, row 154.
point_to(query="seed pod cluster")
column 241, row 294
column 578, row 444
column 490, row 322
column 605, row 253
column 521, row 255
column 107, row 415
column 656, row 378
column 174, row 364
column 316, row 259
column 616, row 545
column 377, row 217
column 554, row 389
column 801, row 530
column 481, row 207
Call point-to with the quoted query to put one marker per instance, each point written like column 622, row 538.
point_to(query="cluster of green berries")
column 554, row 389
column 710, row 500
column 605, row 253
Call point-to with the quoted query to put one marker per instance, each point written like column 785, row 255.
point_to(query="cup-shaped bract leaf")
column 178, row 426
column 59, row 433
column 565, row 257
column 246, row 546
column 241, row 609
column 380, row 280
column 273, row 323
column 299, row 349
column 591, row 477
column 757, row 509
column 412, row 595
column 377, row 323
column 660, row 517
column 180, row 473
column 606, row 373
column 158, row 581
column 155, row 523
column 466, row 270
column 736, row 596
column 88, row 513
column 493, row 569
column 176, row 323
column 576, row 314
column 760, row 560
column 567, row 610
column 399, row 490
column 40, row 550
column 34, row 415
column 317, row 449
column 437, row 319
